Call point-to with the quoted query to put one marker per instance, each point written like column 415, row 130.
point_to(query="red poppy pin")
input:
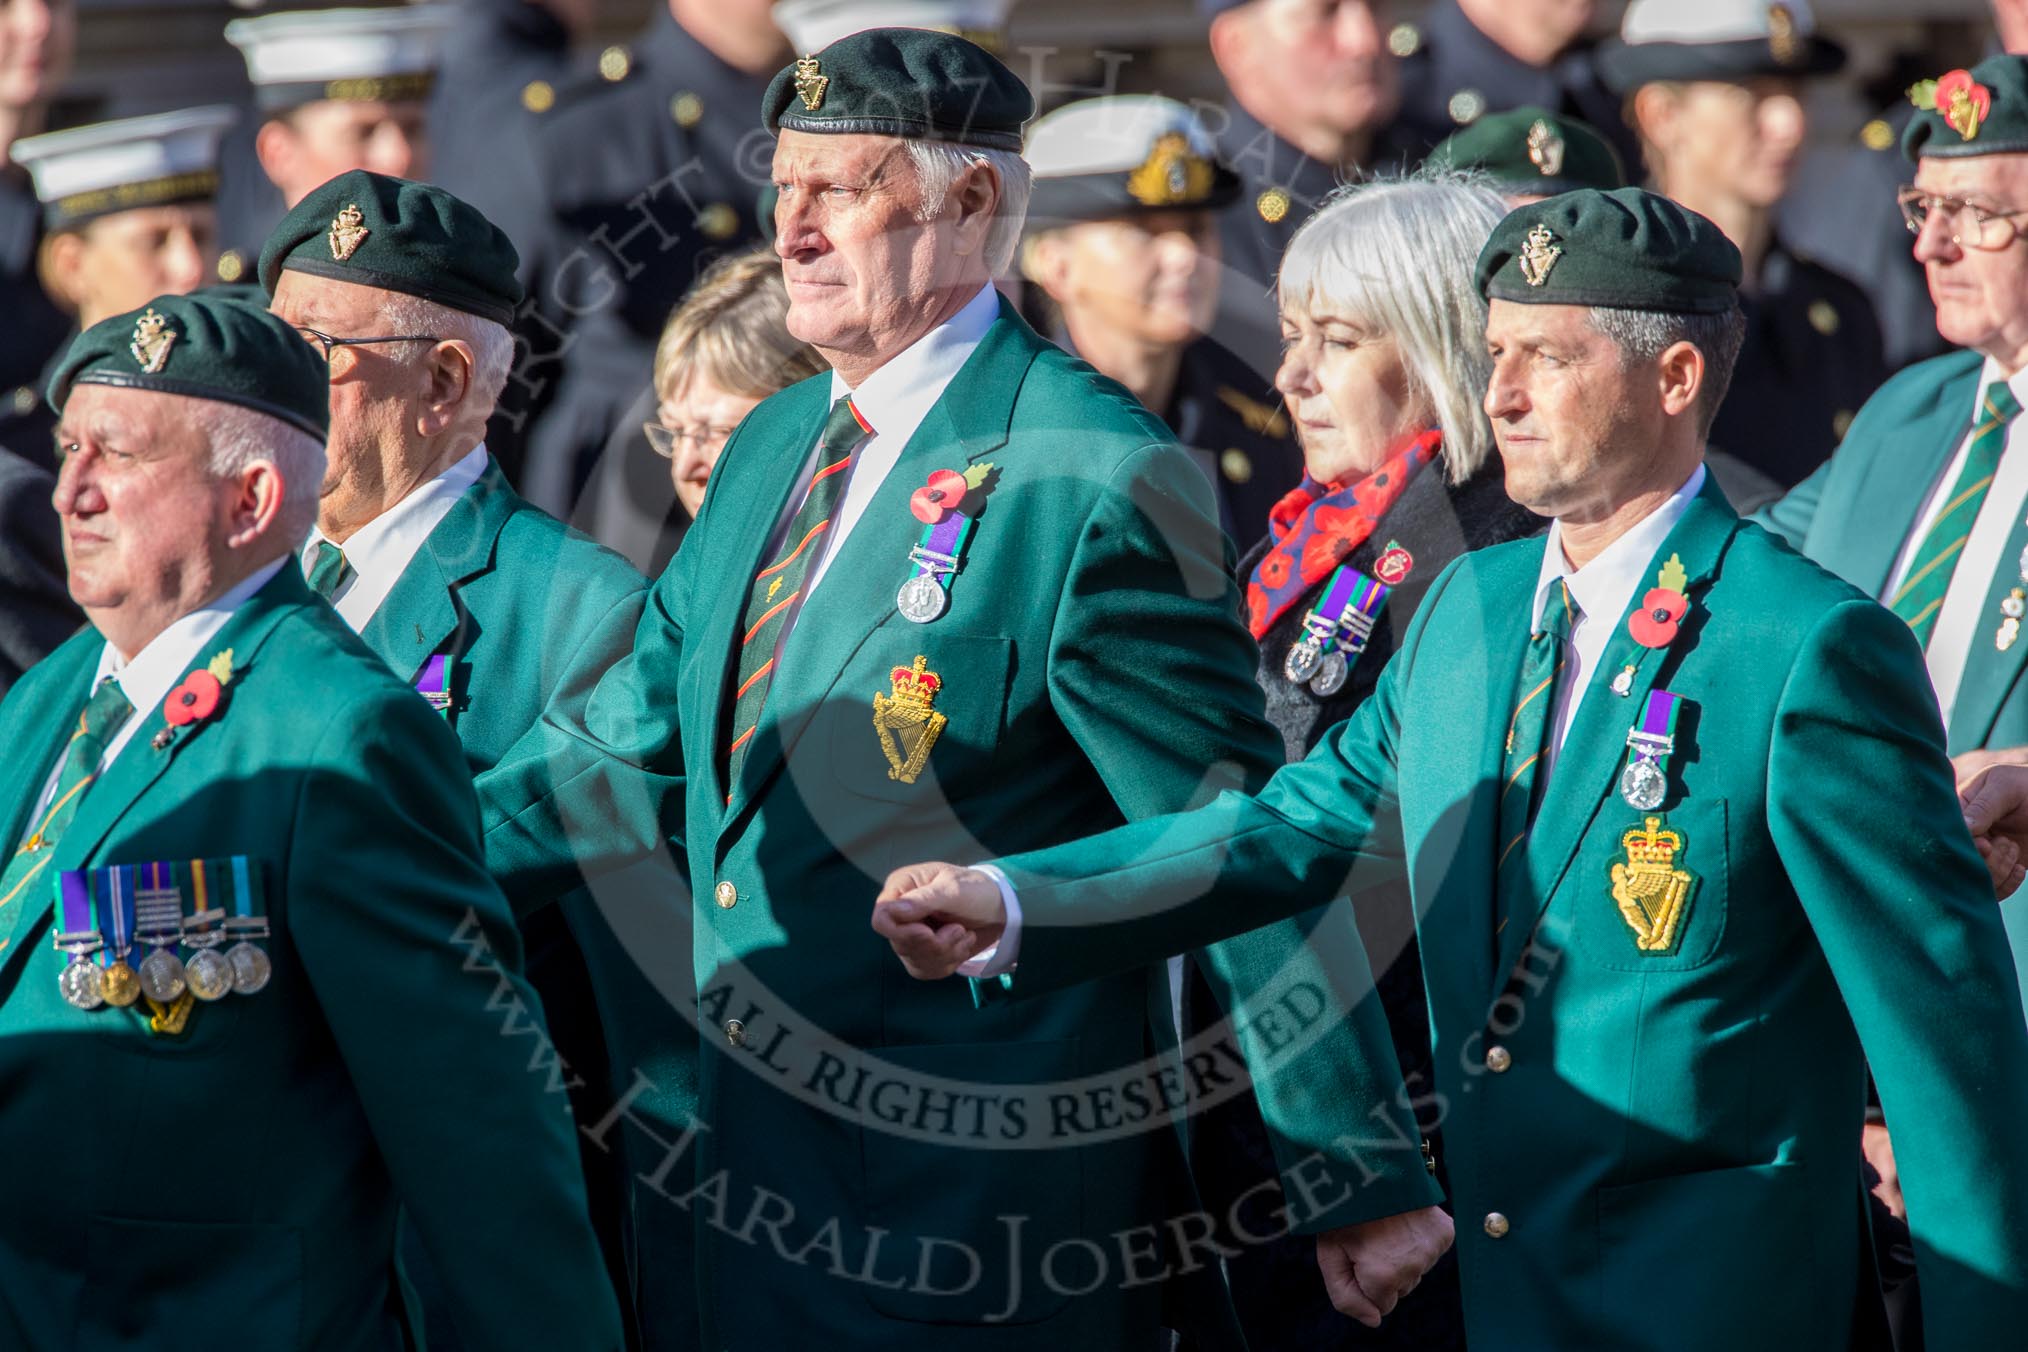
column 197, row 698
column 945, row 493
column 1961, row 101
column 1655, row 621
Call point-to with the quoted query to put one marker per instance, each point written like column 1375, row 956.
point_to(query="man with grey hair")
column 245, row 913
column 486, row 605
column 1013, row 569
column 1668, row 917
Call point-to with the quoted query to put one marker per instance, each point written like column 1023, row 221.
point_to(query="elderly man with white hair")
column 960, row 592
column 251, row 966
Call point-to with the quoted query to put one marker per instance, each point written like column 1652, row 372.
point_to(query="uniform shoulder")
column 1923, row 380
column 1787, row 583
column 590, row 569
column 1093, row 403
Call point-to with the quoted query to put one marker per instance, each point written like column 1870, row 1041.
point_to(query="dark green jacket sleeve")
column 1907, row 921
column 416, row 964
column 598, row 781
column 1149, row 614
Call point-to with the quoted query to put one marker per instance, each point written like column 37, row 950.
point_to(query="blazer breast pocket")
column 1650, row 888
column 919, row 714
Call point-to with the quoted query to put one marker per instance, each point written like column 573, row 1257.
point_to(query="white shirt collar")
column 900, row 394
column 147, row 677
column 1604, row 587
column 380, row 551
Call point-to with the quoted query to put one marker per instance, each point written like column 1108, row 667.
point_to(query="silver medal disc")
column 209, row 974
column 1331, row 674
column 1303, row 660
column 162, row 976
column 921, row 599
column 1644, row 786
column 250, row 968
column 80, row 985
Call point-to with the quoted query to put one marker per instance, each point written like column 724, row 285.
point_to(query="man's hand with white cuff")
column 945, row 920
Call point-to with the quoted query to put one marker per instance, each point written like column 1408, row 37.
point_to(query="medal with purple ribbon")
column 434, row 684
column 939, row 554
column 1644, row 783
column 78, row 936
column 1336, row 631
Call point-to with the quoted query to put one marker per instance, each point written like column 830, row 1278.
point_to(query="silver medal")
column 162, row 976
column 1644, row 785
column 208, row 974
column 1303, row 659
column 921, row 599
column 1331, row 674
column 250, row 968
column 79, row 983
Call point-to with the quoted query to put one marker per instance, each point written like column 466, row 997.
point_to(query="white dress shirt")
column 149, row 675
column 380, row 551
column 1962, row 621
column 1603, row 588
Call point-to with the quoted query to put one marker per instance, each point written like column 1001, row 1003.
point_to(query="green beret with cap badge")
column 1962, row 113
column 1533, row 151
column 910, row 82
column 1628, row 249
column 398, row 235
column 204, row 347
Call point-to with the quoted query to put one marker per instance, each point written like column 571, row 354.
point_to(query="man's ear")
column 276, row 147
column 447, row 386
column 1045, row 261
column 1681, row 372
column 61, row 269
column 257, row 494
column 977, row 198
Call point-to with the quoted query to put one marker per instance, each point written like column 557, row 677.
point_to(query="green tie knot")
column 1560, row 612
column 330, row 571
column 106, row 712
column 2001, row 403
column 843, row 430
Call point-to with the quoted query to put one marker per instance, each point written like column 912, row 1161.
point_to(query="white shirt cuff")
column 1002, row 956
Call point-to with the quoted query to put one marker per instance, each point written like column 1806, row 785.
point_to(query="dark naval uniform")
column 1452, row 75
column 35, row 330
column 1812, row 356
column 651, row 167
column 501, row 68
column 1238, row 433
column 1280, row 188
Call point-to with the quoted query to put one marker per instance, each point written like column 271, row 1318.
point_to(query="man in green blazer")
column 1925, row 505
column 488, row 606
column 963, row 594
column 252, row 968
column 1664, row 903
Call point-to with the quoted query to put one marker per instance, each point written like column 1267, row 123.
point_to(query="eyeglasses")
column 1971, row 226
column 331, row 344
column 664, row 440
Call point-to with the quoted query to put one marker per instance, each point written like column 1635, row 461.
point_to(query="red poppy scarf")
column 1315, row 526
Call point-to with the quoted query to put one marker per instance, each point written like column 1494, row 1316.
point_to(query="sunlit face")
column 1570, row 421
column 374, row 387
column 37, row 40
column 1347, row 390
column 1741, row 140
column 1324, row 63
column 857, row 261
column 126, row 259
column 319, row 141
column 1152, row 278
column 144, row 519
column 1981, row 295
column 702, row 414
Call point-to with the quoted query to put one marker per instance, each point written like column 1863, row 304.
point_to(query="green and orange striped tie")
column 103, row 716
column 1528, row 732
column 1929, row 573
column 778, row 586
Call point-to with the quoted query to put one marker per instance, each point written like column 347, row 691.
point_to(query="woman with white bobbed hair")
column 1383, row 376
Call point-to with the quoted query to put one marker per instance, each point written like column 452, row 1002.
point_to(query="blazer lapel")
column 766, row 478
column 422, row 614
column 38, row 745
column 1898, row 484
column 147, row 755
column 1588, row 764
column 1990, row 672
column 970, row 421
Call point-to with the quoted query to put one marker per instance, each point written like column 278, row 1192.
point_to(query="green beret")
column 911, row 82
column 1981, row 111
column 205, row 347
column 1628, row 249
column 1533, row 151
column 396, row 235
